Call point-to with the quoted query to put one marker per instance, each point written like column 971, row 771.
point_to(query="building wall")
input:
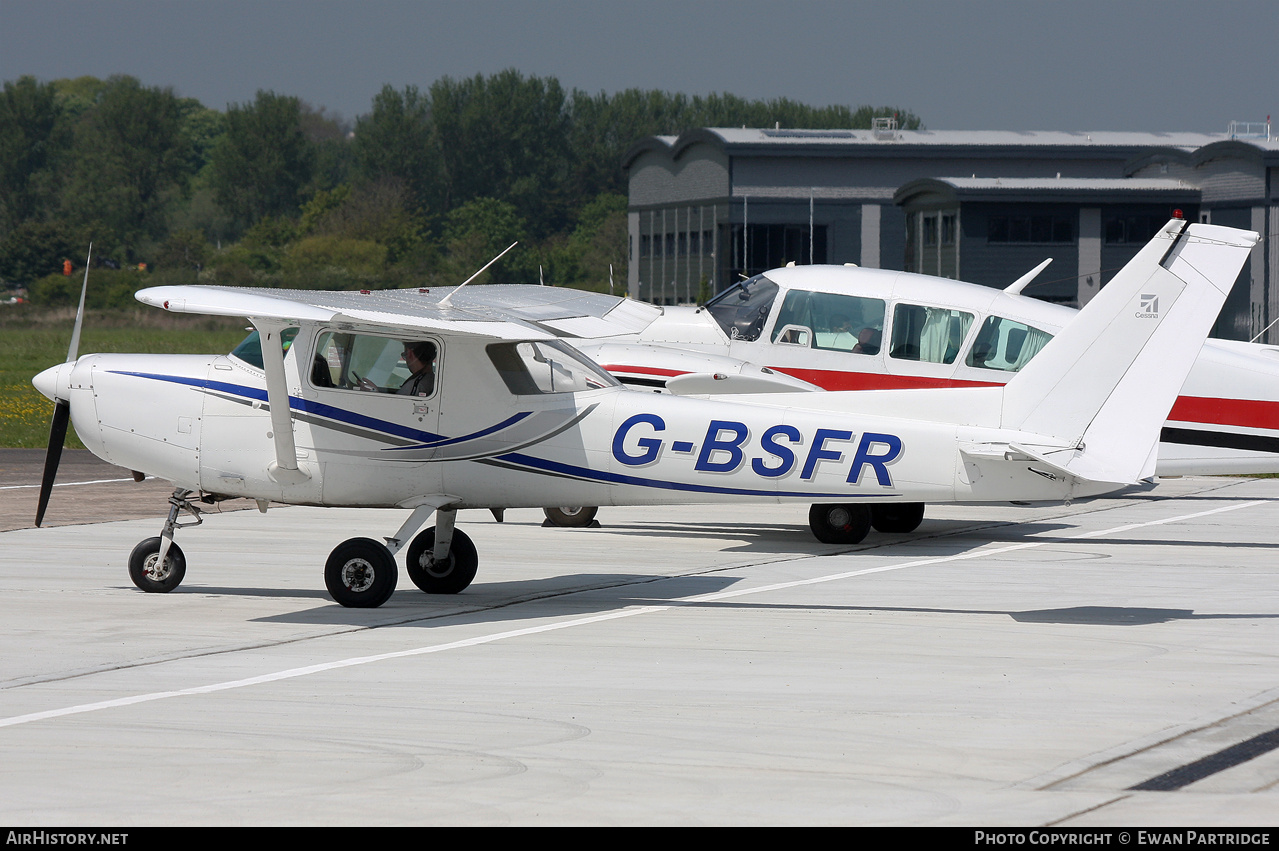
column 999, row 264
column 707, row 189
column 700, row 175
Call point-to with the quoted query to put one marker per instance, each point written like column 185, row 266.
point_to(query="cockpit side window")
column 1005, row 344
column 250, row 348
column 836, row 322
column 929, row 334
column 346, row 361
column 546, row 366
column 742, row 310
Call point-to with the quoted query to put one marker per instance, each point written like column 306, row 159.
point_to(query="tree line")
column 422, row 190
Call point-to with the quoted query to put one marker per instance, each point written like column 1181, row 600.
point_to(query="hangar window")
column 1030, row 229
column 1132, row 230
column 1005, row 345
column 931, row 334
column 930, row 230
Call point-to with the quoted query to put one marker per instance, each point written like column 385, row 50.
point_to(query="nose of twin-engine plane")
column 55, row 382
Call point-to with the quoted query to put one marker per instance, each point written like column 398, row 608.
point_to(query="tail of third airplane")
column 1161, row 307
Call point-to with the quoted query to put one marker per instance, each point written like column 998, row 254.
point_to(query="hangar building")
column 714, row 204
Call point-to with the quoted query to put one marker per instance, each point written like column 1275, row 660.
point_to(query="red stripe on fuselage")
column 829, row 379
column 1204, row 410
column 1244, row 413
column 1248, row 413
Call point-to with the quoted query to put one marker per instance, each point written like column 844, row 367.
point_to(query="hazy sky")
column 964, row 64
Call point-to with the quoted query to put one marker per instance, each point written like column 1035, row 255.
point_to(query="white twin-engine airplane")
column 805, row 328
column 432, row 402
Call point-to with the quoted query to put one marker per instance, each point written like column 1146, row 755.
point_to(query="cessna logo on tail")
column 1149, row 306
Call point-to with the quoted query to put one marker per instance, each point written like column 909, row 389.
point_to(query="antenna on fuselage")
column 1018, row 285
column 444, row 302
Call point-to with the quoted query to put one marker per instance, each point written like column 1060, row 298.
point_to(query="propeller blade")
column 57, row 436
column 74, row 349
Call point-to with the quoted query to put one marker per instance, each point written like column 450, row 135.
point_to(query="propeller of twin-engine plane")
column 62, row 407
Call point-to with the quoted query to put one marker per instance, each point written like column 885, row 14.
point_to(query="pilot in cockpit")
column 420, row 359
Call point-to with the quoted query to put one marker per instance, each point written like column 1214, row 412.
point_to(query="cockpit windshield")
column 742, row 309
column 250, row 348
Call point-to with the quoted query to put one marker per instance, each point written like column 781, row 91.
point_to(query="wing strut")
column 285, row 468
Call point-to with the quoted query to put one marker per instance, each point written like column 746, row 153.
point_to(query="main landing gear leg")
column 442, row 560
column 361, row 572
column 157, row 565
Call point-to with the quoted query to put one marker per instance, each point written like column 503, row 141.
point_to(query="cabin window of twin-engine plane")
column 929, row 334
column 546, row 366
column 840, row 323
column 1005, row 345
column 368, row 363
column 250, row 348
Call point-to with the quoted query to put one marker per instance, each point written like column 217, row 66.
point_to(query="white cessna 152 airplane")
column 433, row 402
column 829, row 328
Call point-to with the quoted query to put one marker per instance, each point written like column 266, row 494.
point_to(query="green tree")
column 505, row 136
column 394, row 143
column 33, row 136
column 131, row 158
column 34, row 248
column 478, row 231
column 202, row 127
column 263, row 162
column 379, row 212
column 599, row 243
column 330, row 139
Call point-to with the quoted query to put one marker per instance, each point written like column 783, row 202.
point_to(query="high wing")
column 502, row 311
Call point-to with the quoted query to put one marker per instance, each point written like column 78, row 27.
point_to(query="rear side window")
column 1005, row 345
column 929, row 334
column 546, row 366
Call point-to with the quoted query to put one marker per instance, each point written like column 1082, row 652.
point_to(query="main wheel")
column 575, row 515
column 839, row 524
column 151, row 576
column 360, row 573
column 897, row 517
column 448, row 576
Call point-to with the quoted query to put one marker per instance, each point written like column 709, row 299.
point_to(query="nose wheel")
column 151, row 574
column 157, row 565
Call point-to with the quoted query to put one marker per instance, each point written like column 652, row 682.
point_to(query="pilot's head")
column 420, row 351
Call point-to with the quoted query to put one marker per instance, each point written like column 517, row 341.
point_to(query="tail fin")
column 1105, row 385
